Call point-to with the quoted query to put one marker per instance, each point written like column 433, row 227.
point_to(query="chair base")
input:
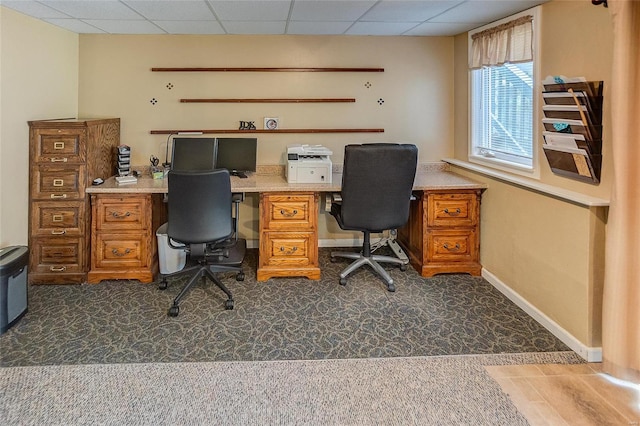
column 373, row 261
column 206, row 270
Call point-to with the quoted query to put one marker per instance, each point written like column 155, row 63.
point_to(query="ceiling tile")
column 254, row 27
column 75, row 25
column 34, row 9
column 407, row 11
column 484, row 11
column 190, row 27
column 94, row 9
column 172, row 10
column 311, row 10
column 125, row 27
column 380, row 28
column 251, row 10
column 439, row 29
column 320, row 28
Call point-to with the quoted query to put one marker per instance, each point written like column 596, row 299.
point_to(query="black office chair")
column 201, row 221
column 377, row 180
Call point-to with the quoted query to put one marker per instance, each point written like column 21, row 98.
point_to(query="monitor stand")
column 240, row 174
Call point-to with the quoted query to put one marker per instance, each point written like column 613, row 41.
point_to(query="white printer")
column 308, row 164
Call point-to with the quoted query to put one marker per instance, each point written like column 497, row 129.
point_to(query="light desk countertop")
column 425, row 180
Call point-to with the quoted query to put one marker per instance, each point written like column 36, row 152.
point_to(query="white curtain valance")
column 509, row 42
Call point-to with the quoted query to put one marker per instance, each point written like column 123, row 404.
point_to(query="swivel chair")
column 377, row 181
column 201, row 222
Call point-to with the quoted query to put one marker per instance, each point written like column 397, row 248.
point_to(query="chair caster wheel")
column 173, row 311
column 391, row 287
column 163, row 285
column 343, row 281
column 240, row 276
column 228, row 304
column 403, row 267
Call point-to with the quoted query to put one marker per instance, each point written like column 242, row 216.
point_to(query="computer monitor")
column 193, row 154
column 238, row 155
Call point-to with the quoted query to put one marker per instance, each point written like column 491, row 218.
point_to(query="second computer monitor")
column 238, row 155
column 193, row 154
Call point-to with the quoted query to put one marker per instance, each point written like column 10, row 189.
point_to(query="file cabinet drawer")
column 57, row 255
column 58, row 183
column 59, row 146
column 122, row 213
column 452, row 209
column 288, row 211
column 120, row 251
column 52, row 218
column 452, row 246
column 288, row 248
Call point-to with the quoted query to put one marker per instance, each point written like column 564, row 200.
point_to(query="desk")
column 442, row 235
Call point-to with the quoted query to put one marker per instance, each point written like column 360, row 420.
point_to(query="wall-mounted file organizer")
column 573, row 127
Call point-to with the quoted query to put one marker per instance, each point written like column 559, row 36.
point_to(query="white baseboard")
column 590, row 354
column 325, row 242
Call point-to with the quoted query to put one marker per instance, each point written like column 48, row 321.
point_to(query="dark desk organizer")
column 124, row 160
column 573, row 112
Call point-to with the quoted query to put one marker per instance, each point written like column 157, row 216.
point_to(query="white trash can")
column 169, row 259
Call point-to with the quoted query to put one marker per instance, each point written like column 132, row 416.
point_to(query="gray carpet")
column 280, row 319
column 453, row 390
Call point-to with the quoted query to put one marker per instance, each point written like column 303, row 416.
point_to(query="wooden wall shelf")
column 227, row 131
column 270, row 100
column 253, row 69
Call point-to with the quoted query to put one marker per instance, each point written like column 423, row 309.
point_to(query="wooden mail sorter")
column 573, row 128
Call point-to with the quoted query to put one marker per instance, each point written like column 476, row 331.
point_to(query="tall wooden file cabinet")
column 65, row 157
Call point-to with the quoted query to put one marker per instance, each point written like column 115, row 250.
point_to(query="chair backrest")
column 199, row 206
column 377, row 181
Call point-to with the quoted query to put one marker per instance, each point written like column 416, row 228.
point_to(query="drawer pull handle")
column 59, row 160
column 60, row 232
column 57, row 218
column 452, row 213
column 58, row 195
column 118, row 215
column 117, row 253
column 60, row 269
column 285, row 214
column 456, row 248
column 58, row 182
column 58, row 145
column 293, row 250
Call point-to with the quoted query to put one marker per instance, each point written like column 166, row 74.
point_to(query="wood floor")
column 579, row 394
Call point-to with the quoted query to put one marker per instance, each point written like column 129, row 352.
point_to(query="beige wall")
column 416, row 87
column 549, row 251
column 38, row 79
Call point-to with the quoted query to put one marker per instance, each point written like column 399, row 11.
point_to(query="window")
column 502, row 95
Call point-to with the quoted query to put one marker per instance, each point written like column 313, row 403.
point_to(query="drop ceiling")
column 262, row 17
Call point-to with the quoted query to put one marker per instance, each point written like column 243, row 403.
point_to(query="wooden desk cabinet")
column 123, row 244
column 65, row 156
column 443, row 232
column 288, row 235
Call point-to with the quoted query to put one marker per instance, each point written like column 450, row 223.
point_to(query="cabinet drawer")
column 122, row 213
column 59, row 146
column 452, row 246
column 296, row 211
column 120, row 251
column 288, row 249
column 452, row 209
column 58, row 183
column 57, row 255
column 51, row 218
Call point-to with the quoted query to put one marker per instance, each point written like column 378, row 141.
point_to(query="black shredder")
column 13, row 285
